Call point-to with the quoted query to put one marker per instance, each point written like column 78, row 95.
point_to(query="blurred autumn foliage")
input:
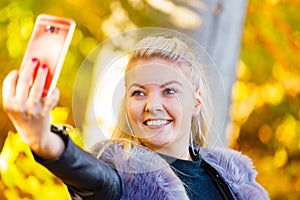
column 265, row 105
column 22, row 177
column 265, row 108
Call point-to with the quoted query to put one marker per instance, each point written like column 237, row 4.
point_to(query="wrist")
column 52, row 145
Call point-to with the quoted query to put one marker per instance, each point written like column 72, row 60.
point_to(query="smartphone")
column 49, row 43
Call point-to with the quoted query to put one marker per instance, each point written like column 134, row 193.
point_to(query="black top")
column 197, row 183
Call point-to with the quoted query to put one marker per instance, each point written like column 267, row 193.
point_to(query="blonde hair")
column 175, row 50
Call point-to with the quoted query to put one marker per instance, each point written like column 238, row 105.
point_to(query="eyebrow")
column 136, row 85
column 163, row 86
column 170, row 83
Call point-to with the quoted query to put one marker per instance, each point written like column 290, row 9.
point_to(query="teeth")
column 156, row 122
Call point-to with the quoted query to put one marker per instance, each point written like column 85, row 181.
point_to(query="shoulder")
column 237, row 170
column 230, row 160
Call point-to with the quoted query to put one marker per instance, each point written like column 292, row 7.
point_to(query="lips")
column 156, row 122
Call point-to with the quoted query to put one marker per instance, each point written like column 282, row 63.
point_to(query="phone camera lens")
column 50, row 28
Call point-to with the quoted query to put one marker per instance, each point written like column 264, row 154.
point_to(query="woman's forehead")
column 156, row 71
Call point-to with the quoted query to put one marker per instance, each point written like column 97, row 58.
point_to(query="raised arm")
column 85, row 176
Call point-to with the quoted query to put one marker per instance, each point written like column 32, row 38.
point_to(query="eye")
column 137, row 93
column 169, row 91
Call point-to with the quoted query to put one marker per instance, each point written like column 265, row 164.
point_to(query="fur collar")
column 147, row 176
column 238, row 172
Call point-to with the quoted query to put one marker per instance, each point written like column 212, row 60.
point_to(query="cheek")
column 134, row 110
column 174, row 109
column 183, row 109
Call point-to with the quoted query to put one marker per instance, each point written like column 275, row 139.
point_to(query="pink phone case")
column 49, row 43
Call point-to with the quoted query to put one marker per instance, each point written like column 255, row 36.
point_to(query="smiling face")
column 160, row 105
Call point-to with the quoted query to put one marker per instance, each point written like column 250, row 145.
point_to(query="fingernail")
column 44, row 66
column 34, row 60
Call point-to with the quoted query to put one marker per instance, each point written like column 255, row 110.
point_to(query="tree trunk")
column 220, row 34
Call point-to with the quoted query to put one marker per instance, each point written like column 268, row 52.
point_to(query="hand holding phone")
column 48, row 44
column 22, row 91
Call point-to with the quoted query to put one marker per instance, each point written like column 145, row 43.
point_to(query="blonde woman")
column 158, row 147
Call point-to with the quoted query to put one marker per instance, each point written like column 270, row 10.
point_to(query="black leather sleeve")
column 85, row 176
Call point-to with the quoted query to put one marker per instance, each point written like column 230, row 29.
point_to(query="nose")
column 153, row 104
column 153, row 108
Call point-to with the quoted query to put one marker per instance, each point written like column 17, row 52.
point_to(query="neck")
column 176, row 151
column 182, row 155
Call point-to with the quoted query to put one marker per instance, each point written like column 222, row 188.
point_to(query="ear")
column 197, row 106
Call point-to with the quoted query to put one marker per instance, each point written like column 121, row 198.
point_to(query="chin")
column 157, row 143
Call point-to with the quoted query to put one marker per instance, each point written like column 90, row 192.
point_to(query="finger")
column 37, row 88
column 50, row 102
column 26, row 78
column 9, row 84
column 9, row 87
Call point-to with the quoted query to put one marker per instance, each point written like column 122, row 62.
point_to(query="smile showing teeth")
column 156, row 122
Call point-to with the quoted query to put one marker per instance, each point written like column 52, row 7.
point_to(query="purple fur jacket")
column 238, row 172
column 235, row 168
column 143, row 174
